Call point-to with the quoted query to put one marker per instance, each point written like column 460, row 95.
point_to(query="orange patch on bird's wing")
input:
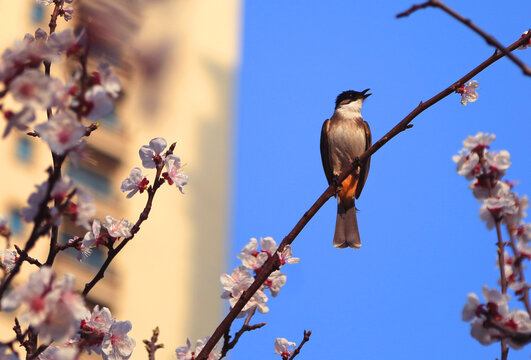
column 346, row 195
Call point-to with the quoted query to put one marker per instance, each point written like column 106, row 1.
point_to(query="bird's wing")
column 325, row 157
column 364, row 170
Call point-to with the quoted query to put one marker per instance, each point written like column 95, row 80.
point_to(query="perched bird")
column 344, row 137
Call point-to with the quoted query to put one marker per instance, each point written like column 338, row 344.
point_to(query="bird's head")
column 347, row 97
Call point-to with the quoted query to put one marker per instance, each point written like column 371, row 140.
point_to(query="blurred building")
column 177, row 62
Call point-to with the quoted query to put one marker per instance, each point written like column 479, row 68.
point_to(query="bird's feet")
column 337, row 184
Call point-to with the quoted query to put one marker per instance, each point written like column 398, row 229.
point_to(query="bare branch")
column 151, row 345
column 304, row 341
column 491, row 40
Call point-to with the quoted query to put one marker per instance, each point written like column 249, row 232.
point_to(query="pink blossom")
column 8, row 259
column 50, row 305
column 134, row 183
column 478, row 142
column 33, row 89
column 494, row 209
column 235, row 284
column 275, row 281
column 284, row 348
column 62, row 133
column 97, row 103
column 151, row 154
column 84, row 209
column 526, row 45
column 186, row 353
column 285, row 256
column 117, row 228
column 468, row 92
column 116, row 344
column 174, row 173
column 59, row 353
column 108, row 79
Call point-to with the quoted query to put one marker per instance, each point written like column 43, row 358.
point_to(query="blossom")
column 32, row 89
column 478, row 142
column 4, row 229
column 19, row 120
column 284, row 348
column 523, row 232
column 174, row 174
column 67, row 12
column 135, row 182
column 62, row 132
column 235, row 284
column 59, row 353
column 61, row 188
column 517, row 320
column 34, row 202
column 249, row 256
column 494, row 209
column 50, row 305
column 285, row 256
column 521, row 204
column 151, row 154
column 94, row 326
column 470, row 308
column 117, row 228
column 525, row 45
column 97, row 103
column 116, row 344
column 186, row 353
column 8, row 259
column 275, row 281
column 84, row 208
column 468, row 92
column 108, row 79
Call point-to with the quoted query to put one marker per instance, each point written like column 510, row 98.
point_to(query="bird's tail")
column 347, row 233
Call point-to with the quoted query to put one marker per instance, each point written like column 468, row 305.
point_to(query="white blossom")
column 98, row 103
column 34, row 202
column 468, row 92
column 116, row 344
column 151, row 154
column 284, row 348
column 117, row 228
column 19, row 120
column 135, row 182
column 175, row 174
column 32, row 88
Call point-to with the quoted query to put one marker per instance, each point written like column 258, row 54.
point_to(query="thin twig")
column 304, row 341
column 519, row 267
column 151, row 345
column 273, row 263
column 228, row 345
column 491, row 40
column 143, row 216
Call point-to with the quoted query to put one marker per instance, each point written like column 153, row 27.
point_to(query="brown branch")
column 228, row 345
column 29, row 259
column 273, row 262
column 305, row 339
column 151, row 345
column 143, row 217
column 491, row 40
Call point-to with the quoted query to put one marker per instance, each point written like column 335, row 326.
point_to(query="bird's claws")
column 357, row 161
column 337, row 184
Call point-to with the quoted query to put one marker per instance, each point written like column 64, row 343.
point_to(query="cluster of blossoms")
column 499, row 206
column 236, row 283
column 468, row 92
column 52, row 308
column 33, row 90
column 152, row 157
column 487, row 318
column 80, row 211
column 186, row 352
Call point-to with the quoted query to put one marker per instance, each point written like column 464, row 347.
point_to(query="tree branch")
column 491, row 40
column 274, row 263
column 151, row 345
column 304, row 341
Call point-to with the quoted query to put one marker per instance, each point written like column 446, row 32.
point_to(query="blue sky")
column 424, row 247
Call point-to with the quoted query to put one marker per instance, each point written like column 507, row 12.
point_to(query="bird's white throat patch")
column 350, row 109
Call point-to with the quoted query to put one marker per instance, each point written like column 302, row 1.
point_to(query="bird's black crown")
column 351, row 95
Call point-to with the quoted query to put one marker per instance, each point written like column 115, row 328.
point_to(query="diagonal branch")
column 491, row 40
column 305, row 339
column 274, row 262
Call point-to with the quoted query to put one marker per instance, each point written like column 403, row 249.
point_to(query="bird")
column 344, row 137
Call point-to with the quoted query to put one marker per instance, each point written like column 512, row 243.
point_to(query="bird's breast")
column 346, row 139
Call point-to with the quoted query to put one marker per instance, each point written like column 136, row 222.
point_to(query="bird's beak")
column 365, row 96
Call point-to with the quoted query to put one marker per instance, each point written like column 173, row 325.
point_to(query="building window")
column 98, row 182
column 24, row 149
column 37, row 13
column 15, row 222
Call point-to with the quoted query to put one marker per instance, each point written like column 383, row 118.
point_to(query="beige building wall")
column 168, row 275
